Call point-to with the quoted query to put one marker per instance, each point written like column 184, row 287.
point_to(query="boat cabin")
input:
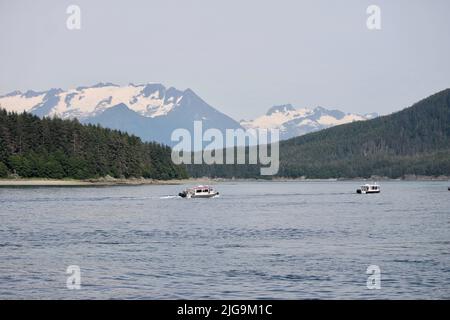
column 369, row 188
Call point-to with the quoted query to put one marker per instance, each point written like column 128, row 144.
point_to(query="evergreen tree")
column 3, row 170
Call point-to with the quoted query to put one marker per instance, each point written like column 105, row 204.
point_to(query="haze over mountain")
column 152, row 111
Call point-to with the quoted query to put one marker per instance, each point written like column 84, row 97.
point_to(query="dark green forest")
column 414, row 141
column 55, row 148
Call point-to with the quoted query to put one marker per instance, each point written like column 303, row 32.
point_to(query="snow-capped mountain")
column 150, row 111
column 294, row 122
column 150, row 100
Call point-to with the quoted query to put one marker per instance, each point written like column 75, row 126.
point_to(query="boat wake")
column 169, row 197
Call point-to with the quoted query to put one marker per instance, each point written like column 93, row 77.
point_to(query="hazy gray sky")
column 242, row 57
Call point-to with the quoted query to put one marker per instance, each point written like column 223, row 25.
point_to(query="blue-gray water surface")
column 258, row 240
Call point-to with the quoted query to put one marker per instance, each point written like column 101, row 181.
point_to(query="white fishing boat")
column 199, row 192
column 369, row 188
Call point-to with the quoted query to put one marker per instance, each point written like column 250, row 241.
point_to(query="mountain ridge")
column 294, row 122
column 412, row 141
column 154, row 111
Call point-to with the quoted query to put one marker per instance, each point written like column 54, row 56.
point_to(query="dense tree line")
column 55, row 148
column 414, row 141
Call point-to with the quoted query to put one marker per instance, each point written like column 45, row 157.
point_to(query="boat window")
column 198, row 191
column 206, row 190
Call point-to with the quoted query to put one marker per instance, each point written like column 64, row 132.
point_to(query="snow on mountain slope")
column 294, row 122
column 188, row 108
column 19, row 102
column 276, row 116
column 153, row 111
column 150, row 111
column 150, row 100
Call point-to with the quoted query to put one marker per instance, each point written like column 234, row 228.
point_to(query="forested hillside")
column 55, row 148
column 414, row 141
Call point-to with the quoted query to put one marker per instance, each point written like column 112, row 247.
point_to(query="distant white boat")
column 199, row 192
column 369, row 188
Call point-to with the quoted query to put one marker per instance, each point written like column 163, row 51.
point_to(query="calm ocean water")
column 282, row 240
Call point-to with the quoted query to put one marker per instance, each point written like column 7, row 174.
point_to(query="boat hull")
column 199, row 196
column 364, row 192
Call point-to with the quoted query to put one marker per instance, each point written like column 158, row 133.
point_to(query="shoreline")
column 105, row 182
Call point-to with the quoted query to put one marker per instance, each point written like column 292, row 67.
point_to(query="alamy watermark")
column 374, row 19
column 73, row 21
column 251, row 146
column 374, row 279
column 73, row 281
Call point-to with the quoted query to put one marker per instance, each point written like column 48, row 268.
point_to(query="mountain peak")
column 104, row 84
column 281, row 108
column 149, row 110
column 31, row 94
column 190, row 92
column 12, row 94
column 154, row 89
column 294, row 122
column 190, row 95
column 321, row 111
